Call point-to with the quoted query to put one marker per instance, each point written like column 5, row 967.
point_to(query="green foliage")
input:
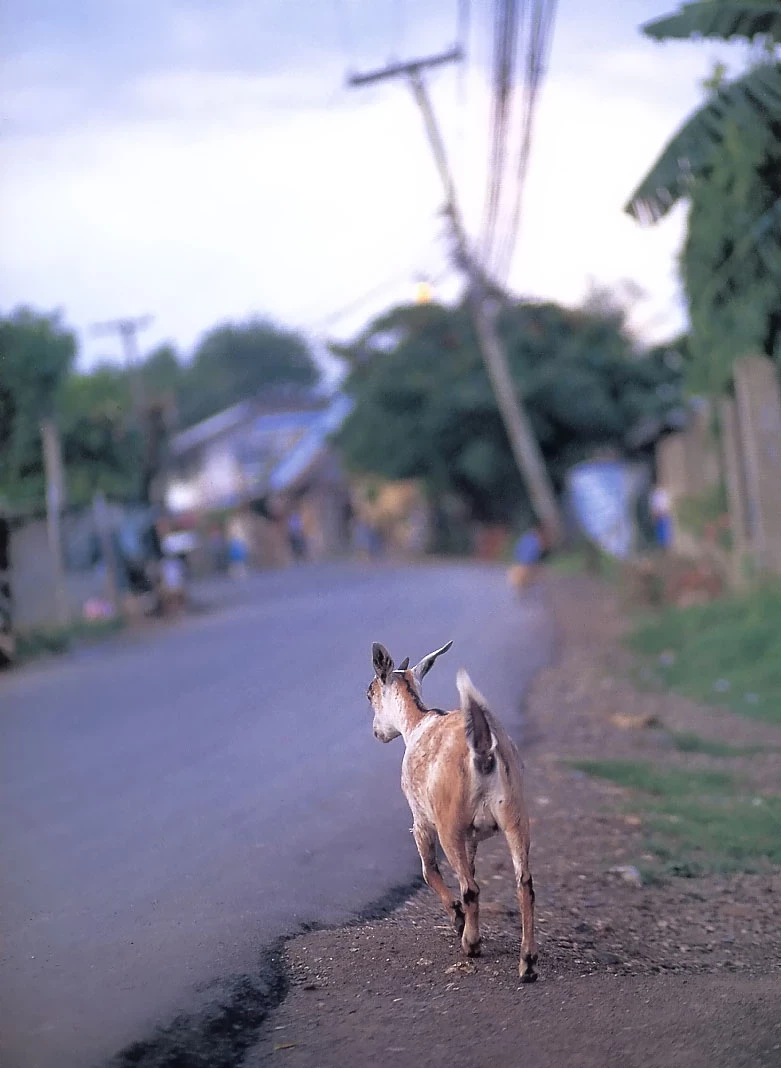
column 425, row 409
column 239, row 360
column 701, row 821
column 722, row 19
column 726, row 161
column 40, row 641
column 727, row 652
column 101, row 444
column 101, row 448
column 163, row 373
column 36, row 354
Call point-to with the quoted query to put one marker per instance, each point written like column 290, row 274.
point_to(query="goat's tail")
column 477, row 724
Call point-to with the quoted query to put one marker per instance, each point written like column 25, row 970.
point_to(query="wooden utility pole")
column 52, row 464
column 128, row 332
column 104, row 532
column 142, row 415
column 525, row 448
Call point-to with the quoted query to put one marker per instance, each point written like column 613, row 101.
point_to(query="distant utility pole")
column 524, row 445
column 128, row 331
column 55, row 491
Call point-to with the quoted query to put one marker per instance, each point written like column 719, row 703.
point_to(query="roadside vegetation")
column 727, row 652
column 697, row 821
column 42, row 641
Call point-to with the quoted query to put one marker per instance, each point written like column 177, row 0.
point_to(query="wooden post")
column 52, row 462
column 103, row 528
column 523, row 444
column 734, row 480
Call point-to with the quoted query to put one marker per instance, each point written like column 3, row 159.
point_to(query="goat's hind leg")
column 461, row 856
column 517, row 835
column 425, row 840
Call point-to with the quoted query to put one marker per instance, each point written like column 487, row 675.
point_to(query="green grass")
column 571, row 562
column 689, row 742
column 700, row 821
column 727, row 652
column 41, row 641
column 656, row 780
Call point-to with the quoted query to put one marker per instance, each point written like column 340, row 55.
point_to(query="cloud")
column 201, row 187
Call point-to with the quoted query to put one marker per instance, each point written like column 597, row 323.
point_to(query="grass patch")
column 656, row 780
column 573, row 562
column 700, row 821
column 727, row 652
column 689, row 742
column 41, row 641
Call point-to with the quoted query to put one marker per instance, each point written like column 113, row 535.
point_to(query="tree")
column 101, row 448
column 36, row 354
column 163, row 373
column 726, row 161
column 234, row 362
column 424, row 407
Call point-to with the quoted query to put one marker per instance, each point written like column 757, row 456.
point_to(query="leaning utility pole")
column 522, row 441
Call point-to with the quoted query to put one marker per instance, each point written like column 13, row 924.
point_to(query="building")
column 261, row 460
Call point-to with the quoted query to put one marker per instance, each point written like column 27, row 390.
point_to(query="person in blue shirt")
column 529, row 551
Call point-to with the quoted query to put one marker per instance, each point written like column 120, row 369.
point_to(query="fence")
column 732, row 450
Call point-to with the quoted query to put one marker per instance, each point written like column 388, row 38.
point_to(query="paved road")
column 174, row 802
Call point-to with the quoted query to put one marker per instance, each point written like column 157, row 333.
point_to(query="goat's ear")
column 382, row 660
column 404, row 664
column 422, row 669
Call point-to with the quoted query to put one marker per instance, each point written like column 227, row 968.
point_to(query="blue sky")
column 202, row 160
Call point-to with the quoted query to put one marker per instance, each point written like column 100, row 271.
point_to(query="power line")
column 538, row 48
column 523, row 443
column 522, row 31
column 502, row 77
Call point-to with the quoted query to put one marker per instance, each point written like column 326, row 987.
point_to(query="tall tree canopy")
column 425, row 409
column 726, row 161
column 36, row 354
column 238, row 360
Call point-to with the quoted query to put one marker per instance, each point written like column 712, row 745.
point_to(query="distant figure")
column 661, row 514
column 530, row 550
column 295, row 535
column 217, row 549
column 237, row 557
column 172, row 583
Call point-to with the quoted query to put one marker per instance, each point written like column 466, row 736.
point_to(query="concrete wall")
column 33, row 593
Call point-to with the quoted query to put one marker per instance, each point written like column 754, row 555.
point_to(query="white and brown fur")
column 462, row 777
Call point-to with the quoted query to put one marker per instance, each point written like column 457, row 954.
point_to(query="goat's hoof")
column 526, row 968
column 529, row 977
column 472, row 949
column 459, row 919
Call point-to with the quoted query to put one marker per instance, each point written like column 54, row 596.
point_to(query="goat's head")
column 390, row 689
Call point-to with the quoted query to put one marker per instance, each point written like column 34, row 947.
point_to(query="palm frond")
column 723, row 20
column 754, row 98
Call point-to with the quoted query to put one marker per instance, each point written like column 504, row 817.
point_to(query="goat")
column 462, row 777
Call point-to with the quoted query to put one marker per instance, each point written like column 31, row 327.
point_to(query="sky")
column 203, row 161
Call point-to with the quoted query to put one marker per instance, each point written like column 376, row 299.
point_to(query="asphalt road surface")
column 174, row 802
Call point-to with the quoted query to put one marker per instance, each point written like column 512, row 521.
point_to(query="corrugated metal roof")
column 294, row 404
column 302, row 455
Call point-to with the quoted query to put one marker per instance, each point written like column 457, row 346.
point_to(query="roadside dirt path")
column 684, row 973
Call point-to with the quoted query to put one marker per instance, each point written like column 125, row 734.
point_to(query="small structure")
column 259, row 461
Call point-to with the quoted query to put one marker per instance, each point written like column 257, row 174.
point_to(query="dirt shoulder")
column 675, row 972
